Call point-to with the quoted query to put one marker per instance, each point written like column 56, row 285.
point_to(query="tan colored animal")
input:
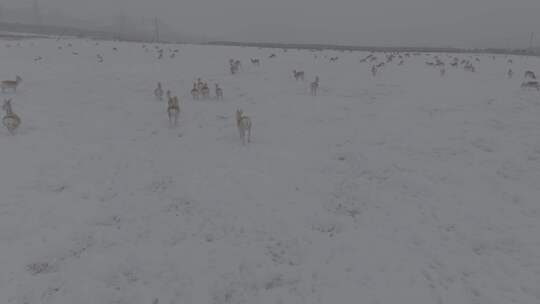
column 531, row 84
column 173, row 109
column 200, row 84
column 235, row 66
column 298, row 75
column 11, row 120
column 158, row 92
column 195, row 91
column 243, row 123
column 205, row 91
column 314, row 86
column 11, row 84
column 219, row 92
column 530, row 74
column 255, row 61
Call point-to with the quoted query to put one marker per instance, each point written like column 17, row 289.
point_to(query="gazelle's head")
column 239, row 114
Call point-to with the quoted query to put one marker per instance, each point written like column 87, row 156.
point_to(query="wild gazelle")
column 158, row 92
column 219, row 92
column 255, row 62
column 243, row 123
column 173, row 109
column 205, row 91
column 200, row 84
column 530, row 75
column 11, row 120
column 195, row 91
column 235, row 66
column 11, row 84
column 531, row 85
column 314, row 86
column 298, row 75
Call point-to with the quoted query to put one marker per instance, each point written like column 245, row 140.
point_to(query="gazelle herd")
column 243, row 122
column 201, row 89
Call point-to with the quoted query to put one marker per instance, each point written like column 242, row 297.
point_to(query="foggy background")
column 440, row 23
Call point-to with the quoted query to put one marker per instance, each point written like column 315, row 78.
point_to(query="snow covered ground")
column 406, row 188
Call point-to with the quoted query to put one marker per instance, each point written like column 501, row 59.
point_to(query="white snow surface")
column 407, row 187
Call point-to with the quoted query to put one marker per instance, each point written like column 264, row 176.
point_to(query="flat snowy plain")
column 407, row 187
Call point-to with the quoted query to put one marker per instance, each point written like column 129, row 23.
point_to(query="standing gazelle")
column 510, row 73
column 195, row 91
column 255, row 61
column 243, row 123
column 11, row 120
column 219, row 92
column 298, row 75
column 314, row 86
column 373, row 71
column 205, row 91
column 173, row 109
column 11, row 84
column 158, row 92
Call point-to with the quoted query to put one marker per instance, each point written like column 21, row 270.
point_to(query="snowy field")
column 406, row 187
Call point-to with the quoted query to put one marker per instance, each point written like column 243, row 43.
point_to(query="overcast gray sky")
column 436, row 22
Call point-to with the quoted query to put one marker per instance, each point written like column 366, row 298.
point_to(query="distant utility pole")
column 156, row 29
column 37, row 13
column 531, row 42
